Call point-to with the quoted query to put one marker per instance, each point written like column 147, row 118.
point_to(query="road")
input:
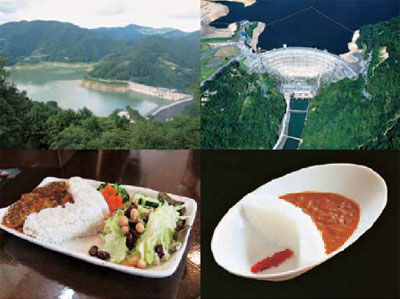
column 210, row 77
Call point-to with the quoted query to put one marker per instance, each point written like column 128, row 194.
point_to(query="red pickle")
column 272, row 261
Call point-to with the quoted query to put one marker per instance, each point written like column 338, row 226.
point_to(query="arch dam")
column 300, row 71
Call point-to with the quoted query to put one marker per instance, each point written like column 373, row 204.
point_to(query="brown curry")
column 48, row 196
column 334, row 215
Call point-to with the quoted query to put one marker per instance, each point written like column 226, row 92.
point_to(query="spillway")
column 300, row 72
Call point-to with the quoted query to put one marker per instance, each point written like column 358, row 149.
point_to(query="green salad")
column 144, row 232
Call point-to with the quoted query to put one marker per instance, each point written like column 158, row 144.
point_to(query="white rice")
column 285, row 225
column 82, row 218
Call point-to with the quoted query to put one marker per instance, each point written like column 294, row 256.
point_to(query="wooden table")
column 30, row 271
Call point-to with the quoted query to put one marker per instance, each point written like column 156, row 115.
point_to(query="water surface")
column 310, row 28
column 61, row 84
column 291, row 144
column 299, row 104
column 296, row 124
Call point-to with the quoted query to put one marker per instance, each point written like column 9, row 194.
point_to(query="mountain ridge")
column 163, row 60
column 134, row 32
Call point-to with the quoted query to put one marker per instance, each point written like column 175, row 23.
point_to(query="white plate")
column 79, row 248
column 236, row 246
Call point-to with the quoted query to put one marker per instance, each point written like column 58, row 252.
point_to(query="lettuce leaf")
column 114, row 242
column 159, row 231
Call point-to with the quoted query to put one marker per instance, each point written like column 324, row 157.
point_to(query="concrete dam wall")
column 298, row 63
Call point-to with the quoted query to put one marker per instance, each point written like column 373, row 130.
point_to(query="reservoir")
column 324, row 24
column 61, row 84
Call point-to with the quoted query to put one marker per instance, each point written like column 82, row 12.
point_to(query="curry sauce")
column 48, row 196
column 335, row 216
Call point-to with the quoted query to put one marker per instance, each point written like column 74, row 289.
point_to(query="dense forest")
column 171, row 63
column 167, row 59
column 363, row 113
column 53, row 41
column 26, row 124
column 240, row 110
column 389, row 139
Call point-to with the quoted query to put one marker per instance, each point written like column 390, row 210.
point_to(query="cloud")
column 187, row 15
column 11, row 6
column 180, row 14
column 116, row 8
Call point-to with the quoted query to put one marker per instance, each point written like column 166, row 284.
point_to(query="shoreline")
column 355, row 56
column 127, row 86
column 352, row 45
column 211, row 11
column 244, row 2
column 74, row 65
column 256, row 34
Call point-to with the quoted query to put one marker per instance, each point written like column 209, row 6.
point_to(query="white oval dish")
column 78, row 248
column 236, row 245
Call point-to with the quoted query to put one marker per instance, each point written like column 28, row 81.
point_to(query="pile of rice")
column 285, row 225
column 82, row 218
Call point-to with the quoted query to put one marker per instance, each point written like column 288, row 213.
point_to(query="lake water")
column 310, row 28
column 61, row 84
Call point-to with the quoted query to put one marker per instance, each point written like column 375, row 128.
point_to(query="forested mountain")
column 240, row 111
column 53, row 41
column 135, row 32
column 172, row 63
column 343, row 117
column 167, row 58
column 26, row 124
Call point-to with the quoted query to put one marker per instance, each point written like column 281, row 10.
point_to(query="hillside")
column 158, row 57
column 171, row 63
column 240, row 111
column 343, row 117
column 35, row 41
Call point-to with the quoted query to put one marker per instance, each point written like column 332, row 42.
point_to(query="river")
column 61, row 84
column 308, row 26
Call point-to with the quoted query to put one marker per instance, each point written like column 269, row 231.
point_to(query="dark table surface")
column 30, row 271
column 369, row 268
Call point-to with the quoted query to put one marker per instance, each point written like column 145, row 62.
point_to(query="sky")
column 179, row 14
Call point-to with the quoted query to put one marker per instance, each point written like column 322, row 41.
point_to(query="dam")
column 300, row 71
column 298, row 65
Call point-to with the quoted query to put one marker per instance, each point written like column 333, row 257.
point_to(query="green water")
column 291, row 144
column 61, row 84
column 296, row 124
column 299, row 104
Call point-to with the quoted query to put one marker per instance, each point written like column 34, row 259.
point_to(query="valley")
column 348, row 103
column 110, row 68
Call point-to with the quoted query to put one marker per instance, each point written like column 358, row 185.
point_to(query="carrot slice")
column 114, row 203
column 109, row 191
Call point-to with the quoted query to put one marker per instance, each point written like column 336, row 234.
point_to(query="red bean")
column 93, row 250
column 104, row 255
column 130, row 242
column 160, row 250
